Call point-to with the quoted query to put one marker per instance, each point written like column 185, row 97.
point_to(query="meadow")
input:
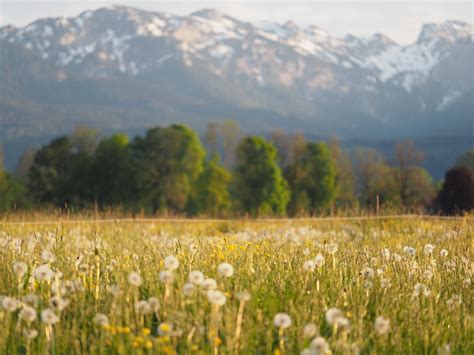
column 368, row 286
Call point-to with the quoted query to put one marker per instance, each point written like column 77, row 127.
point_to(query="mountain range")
column 124, row 69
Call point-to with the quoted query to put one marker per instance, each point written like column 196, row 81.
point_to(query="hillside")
column 124, row 69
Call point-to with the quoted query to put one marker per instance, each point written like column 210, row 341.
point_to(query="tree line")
column 169, row 170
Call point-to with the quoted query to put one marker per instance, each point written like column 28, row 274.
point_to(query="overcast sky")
column 399, row 20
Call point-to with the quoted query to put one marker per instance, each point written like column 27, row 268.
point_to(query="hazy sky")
column 399, row 20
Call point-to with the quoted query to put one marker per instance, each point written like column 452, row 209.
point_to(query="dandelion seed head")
column 216, row 297
column 332, row 314
column 143, row 307
column 10, row 304
column 154, row 303
column 58, row 303
column 310, row 330
column 333, row 248
column 367, row 273
column 20, row 269
column 166, row 277
column 309, row 265
column 410, row 251
column 428, row 249
column 282, row 320
column 382, row 325
column 49, row 317
column 243, row 296
column 319, row 260
column 171, row 262
column 225, row 270
column 320, row 345
column 30, row 334
column 43, row 273
column 101, row 319
column 28, row 314
column 386, row 253
column 209, row 284
column 188, row 288
column 48, row 256
column 196, row 277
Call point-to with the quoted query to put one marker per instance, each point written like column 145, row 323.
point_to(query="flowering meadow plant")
column 253, row 287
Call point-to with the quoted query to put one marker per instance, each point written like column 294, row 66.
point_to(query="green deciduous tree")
column 113, row 172
column 466, row 159
column 168, row 162
column 260, row 188
column 312, row 178
column 47, row 175
column 345, row 180
column 405, row 169
column 12, row 191
column 373, row 178
column 212, row 196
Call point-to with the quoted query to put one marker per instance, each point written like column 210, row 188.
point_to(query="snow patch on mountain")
column 448, row 100
column 116, row 37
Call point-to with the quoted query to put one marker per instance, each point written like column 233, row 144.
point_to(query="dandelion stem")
column 238, row 327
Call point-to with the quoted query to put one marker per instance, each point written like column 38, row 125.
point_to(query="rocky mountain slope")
column 122, row 68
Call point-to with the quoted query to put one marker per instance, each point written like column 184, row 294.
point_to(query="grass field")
column 398, row 286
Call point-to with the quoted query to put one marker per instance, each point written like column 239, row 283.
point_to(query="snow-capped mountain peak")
column 130, row 41
column 450, row 31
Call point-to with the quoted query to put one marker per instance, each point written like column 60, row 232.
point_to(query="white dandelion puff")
column 49, row 317
column 58, row 303
column 101, row 319
column 243, row 296
column 310, row 330
column 43, row 273
column 309, row 265
column 428, row 249
column 225, row 270
column 332, row 314
column 48, row 256
column 171, row 262
column 143, row 307
column 188, row 288
column 196, row 277
column 382, row 325
column 154, row 303
column 319, row 260
column 319, row 345
column 367, row 273
column 209, row 284
column 135, row 279
column 216, row 297
column 332, row 248
column 30, row 334
column 166, row 277
column 20, row 269
column 10, row 304
column 282, row 320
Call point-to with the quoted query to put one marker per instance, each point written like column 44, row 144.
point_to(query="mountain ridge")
column 125, row 68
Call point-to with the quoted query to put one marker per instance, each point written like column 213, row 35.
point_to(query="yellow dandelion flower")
column 148, row 344
column 146, row 331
